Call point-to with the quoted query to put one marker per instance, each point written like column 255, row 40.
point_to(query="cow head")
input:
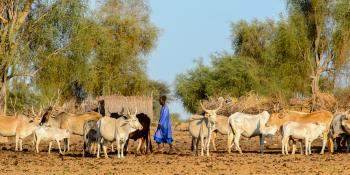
column 211, row 114
column 273, row 123
column 133, row 121
column 37, row 117
column 346, row 123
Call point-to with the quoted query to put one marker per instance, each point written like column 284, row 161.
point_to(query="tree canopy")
column 64, row 46
column 300, row 53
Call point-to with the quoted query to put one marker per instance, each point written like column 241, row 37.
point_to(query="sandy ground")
column 183, row 162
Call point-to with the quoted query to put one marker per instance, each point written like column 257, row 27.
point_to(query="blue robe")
column 164, row 133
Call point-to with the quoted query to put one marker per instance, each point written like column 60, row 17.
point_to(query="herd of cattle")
column 100, row 131
column 293, row 126
column 96, row 130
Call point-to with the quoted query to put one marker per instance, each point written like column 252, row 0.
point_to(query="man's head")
column 162, row 100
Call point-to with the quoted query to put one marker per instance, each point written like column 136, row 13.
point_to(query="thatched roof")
column 119, row 104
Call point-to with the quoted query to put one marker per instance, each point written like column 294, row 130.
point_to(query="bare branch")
column 3, row 20
column 23, row 74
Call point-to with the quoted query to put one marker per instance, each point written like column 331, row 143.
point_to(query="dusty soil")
column 183, row 162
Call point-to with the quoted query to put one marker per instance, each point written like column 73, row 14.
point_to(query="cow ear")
column 280, row 115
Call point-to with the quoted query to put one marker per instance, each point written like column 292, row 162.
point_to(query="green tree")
column 13, row 15
column 328, row 30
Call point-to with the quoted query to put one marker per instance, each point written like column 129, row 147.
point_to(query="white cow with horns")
column 201, row 127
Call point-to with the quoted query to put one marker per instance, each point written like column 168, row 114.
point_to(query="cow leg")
column 196, row 145
column 139, row 146
column 122, row 148
column 50, row 145
column 301, row 146
column 325, row 134
column 306, row 147
column 310, row 144
column 125, row 147
column 229, row 141
column 193, row 142
column 202, row 146
column 285, row 141
column 337, row 144
column 94, row 147
column 98, row 150
column 84, row 148
column 17, row 140
column 104, row 147
column 118, row 147
column 59, row 147
column 294, row 147
column 208, row 145
column 214, row 134
column 330, row 144
column 65, row 143
column 37, row 142
column 112, row 147
column 237, row 138
column 100, row 143
column 68, row 144
column 20, row 144
column 348, row 143
column 262, row 141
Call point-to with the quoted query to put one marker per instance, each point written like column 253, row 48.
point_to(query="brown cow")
column 73, row 122
column 276, row 120
column 19, row 126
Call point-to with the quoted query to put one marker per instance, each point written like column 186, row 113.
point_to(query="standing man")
column 164, row 133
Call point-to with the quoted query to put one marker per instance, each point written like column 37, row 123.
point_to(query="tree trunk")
column 315, row 86
column 3, row 99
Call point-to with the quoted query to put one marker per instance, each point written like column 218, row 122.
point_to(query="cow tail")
column 149, row 140
column 331, row 128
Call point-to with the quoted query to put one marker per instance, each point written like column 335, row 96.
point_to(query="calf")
column 73, row 122
column 49, row 134
column 90, row 135
column 110, row 129
column 308, row 132
column 246, row 125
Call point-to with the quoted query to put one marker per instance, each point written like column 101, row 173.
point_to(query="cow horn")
column 128, row 111
column 33, row 112
column 219, row 106
column 200, row 102
column 135, row 111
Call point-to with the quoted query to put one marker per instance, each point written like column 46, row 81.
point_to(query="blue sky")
column 192, row 29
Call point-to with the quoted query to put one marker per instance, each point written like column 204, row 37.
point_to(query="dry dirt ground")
column 183, row 162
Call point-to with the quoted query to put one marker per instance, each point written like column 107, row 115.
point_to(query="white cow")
column 221, row 126
column 110, row 130
column 248, row 126
column 49, row 134
column 305, row 131
column 201, row 127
